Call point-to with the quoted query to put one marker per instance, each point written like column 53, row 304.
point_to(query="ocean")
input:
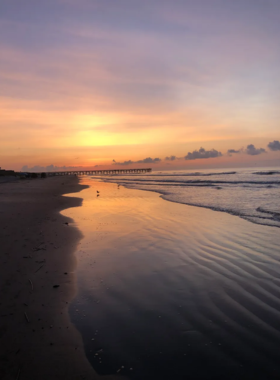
column 168, row 290
column 252, row 194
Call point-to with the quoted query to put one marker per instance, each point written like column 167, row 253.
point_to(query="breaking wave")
column 268, row 173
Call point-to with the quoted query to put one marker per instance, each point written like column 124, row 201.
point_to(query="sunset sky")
column 128, row 83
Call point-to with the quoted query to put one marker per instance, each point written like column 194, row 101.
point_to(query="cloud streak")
column 234, row 151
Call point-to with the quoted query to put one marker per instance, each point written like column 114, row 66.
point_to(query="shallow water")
column 252, row 194
column 169, row 291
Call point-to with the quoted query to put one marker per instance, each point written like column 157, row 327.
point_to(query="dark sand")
column 174, row 291
column 37, row 339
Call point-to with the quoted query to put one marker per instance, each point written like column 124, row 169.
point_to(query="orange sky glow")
column 85, row 83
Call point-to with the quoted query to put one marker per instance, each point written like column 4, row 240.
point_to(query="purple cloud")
column 202, row 153
column 252, row 151
column 274, row 145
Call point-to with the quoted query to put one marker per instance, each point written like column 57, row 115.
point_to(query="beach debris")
column 65, row 272
column 119, row 370
column 97, row 191
column 27, row 257
column 31, row 283
column 66, row 223
column 39, row 268
column 26, row 317
column 55, row 286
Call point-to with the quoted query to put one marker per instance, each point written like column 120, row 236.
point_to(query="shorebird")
column 97, row 192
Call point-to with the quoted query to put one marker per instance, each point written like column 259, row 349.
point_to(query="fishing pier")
column 99, row 172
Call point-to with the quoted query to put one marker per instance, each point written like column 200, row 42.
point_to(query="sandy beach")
column 37, row 339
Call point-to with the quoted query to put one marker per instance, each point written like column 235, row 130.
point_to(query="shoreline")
column 38, row 245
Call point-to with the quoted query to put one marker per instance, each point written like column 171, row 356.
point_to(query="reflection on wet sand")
column 172, row 291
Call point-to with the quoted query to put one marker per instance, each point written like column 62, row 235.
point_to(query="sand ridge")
column 37, row 282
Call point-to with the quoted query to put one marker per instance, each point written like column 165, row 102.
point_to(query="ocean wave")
column 244, row 195
column 275, row 214
column 272, row 219
column 266, row 220
column 194, row 174
column 187, row 182
column 272, row 172
column 260, row 216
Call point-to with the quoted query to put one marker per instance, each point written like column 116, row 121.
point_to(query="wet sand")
column 37, row 244
column 169, row 291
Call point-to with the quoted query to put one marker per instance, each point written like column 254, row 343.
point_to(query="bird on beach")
column 97, row 195
column 97, row 191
